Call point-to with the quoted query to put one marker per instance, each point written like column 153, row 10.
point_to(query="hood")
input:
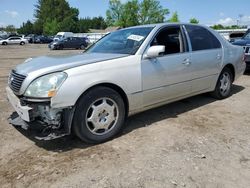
column 48, row 64
column 242, row 42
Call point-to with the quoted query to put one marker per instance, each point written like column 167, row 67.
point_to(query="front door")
column 167, row 77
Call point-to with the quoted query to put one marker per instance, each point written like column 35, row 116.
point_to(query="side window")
column 201, row 38
column 171, row 38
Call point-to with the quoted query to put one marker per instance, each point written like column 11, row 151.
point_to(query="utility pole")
column 240, row 18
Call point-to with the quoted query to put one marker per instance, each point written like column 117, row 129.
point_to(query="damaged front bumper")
column 53, row 123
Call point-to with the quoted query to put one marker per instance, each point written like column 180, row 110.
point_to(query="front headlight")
column 46, row 86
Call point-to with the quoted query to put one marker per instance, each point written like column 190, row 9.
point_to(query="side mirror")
column 155, row 51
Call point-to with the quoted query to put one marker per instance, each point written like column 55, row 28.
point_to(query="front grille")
column 247, row 50
column 16, row 81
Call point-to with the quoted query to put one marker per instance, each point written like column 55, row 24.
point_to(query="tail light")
column 244, row 57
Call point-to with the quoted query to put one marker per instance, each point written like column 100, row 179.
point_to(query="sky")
column 208, row 12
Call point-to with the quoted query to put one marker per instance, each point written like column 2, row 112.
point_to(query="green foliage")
column 114, row 13
column 55, row 15
column 174, row 18
column 51, row 27
column 219, row 26
column 85, row 24
column 130, row 12
column 10, row 28
column 134, row 12
column 194, row 21
column 152, row 12
column 26, row 28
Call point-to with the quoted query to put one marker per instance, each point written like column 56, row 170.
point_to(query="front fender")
column 123, row 72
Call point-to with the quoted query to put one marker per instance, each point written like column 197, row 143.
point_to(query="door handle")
column 218, row 57
column 186, row 62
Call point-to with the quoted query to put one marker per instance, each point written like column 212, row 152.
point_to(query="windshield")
column 58, row 36
column 247, row 35
column 126, row 41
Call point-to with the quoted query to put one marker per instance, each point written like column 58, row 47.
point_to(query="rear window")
column 201, row 38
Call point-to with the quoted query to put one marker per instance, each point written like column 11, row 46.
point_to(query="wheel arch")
column 116, row 88
column 231, row 67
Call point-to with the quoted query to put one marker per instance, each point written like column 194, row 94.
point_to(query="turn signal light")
column 51, row 93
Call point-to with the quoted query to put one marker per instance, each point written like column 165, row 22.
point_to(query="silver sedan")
column 126, row 72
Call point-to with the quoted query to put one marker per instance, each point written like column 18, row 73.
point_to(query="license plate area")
column 23, row 111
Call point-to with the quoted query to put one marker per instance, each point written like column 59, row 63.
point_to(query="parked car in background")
column 236, row 36
column 42, row 39
column 245, row 43
column 14, row 40
column 70, row 42
column 126, row 72
column 63, row 35
column 30, row 38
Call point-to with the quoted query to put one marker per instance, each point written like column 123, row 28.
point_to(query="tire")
column 22, row 43
column 99, row 115
column 82, row 47
column 4, row 43
column 60, row 47
column 224, row 84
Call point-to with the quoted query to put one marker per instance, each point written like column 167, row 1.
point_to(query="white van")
column 63, row 35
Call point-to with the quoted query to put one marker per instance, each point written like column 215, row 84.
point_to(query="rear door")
column 12, row 40
column 207, row 55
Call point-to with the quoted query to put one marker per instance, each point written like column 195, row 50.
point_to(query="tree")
column 51, row 27
column 26, row 28
column 114, row 12
column 152, row 12
column 219, row 26
column 174, row 18
column 194, row 21
column 70, row 22
column 84, row 24
column 10, row 28
column 129, row 14
column 134, row 12
column 49, row 12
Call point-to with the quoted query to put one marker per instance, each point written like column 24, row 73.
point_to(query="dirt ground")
column 196, row 142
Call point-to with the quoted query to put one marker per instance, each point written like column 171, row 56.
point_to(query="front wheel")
column 224, row 84
column 99, row 115
column 4, row 43
column 22, row 43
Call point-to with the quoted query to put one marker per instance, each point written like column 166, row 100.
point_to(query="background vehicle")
column 245, row 42
column 31, row 38
column 70, row 42
column 63, row 35
column 126, row 72
column 42, row 39
column 14, row 40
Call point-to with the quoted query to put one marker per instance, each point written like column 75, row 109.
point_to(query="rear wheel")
column 82, row 47
column 99, row 115
column 224, row 84
column 22, row 43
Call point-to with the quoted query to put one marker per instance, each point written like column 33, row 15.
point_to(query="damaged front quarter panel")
column 49, row 123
